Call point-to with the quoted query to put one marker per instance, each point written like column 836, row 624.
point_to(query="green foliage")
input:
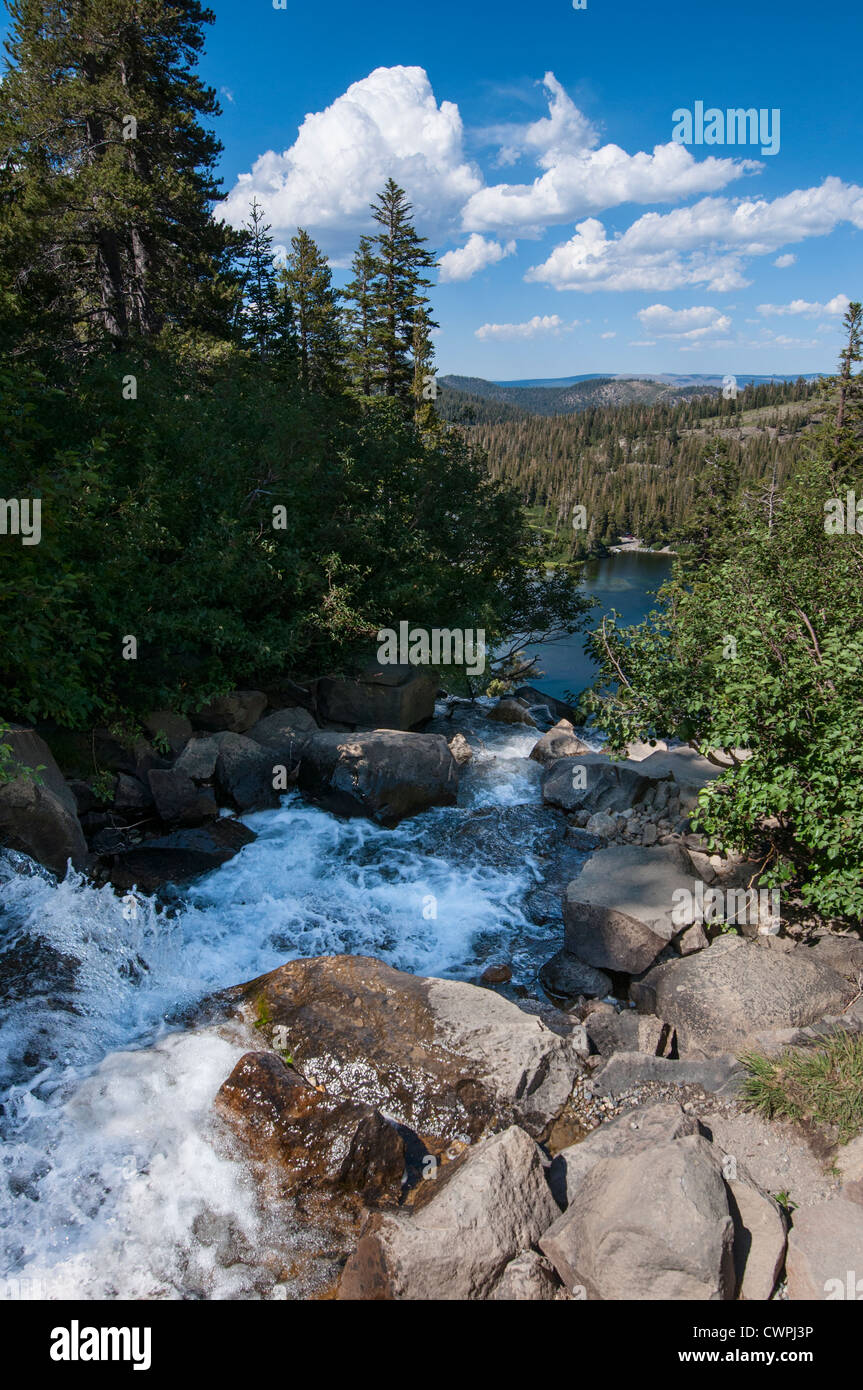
column 761, row 649
column 820, row 1086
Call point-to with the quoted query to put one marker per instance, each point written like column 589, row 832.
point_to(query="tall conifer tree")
column 307, row 279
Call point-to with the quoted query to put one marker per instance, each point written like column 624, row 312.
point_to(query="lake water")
column 627, row 583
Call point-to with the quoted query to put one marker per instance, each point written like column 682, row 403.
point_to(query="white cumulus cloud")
column 705, row 244
column 539, row 324
column 810, row 309
column 389, row 124
column 697, row 322
column 477, row 254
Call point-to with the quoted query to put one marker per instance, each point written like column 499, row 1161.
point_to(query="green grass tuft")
column 820, row 1086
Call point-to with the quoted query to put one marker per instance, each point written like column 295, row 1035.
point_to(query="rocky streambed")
column 429, row 1028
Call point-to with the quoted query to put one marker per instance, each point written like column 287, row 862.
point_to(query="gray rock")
column 131, row 795
column 567, row 977
column 476, row 1217
column 383, row 697
column 559, row 742
column 619, row 911
column 651, row 1225
column 460, row 749
column 602, row 824
column 690, row 771
column 759, row 1238
column 546, row 709
column 199, row 757
column 233, row 713
column 385, row 775
column 721, row 998
column 631, row 1133
column 627, row 1032
column 179, row 801
column 607, row 786
column 529, row 1279
column 179, row 857
column 286, row 733
column 718, row 1075
column 825, row 1252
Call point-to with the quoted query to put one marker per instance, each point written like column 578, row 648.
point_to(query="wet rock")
column 496, row 975
column 511, row 712
column 449, row 1060
column 721, row 998
column 468, row 1224
column 313, row 1139
column 618, row 912
column 649, row 1225
column 567, row 977
column 385, row 775
column 602, row 824
column 233, row 713
column 179, row 857
column 179, row 801
column 559, row 742
column 38, row 812
column 383, row 697
column 545, row 707
column 824, row 1252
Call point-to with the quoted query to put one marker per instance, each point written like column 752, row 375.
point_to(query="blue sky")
column 535, row 141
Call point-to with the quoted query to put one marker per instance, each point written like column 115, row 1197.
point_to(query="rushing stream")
column 112, row 1182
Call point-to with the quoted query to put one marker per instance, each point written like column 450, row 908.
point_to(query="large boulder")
column 286, row 732
column 825, row 1252
column 567, row 977
column 246, row 773
column 38, row 810
column 628, row 1134
column 620, row 912
column 467, row 1225
column 560, row 742
column 382, row 697
column 759, row 1237
column 178, row 857
column 384, row 774
column 450, row 1060
column 529, row 1278
column 233, row 713
column 720, row 999
column 649, row 1225
column 593, row 782
column 164, row 727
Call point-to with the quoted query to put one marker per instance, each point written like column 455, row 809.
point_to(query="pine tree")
column 360, row 317
column 107, row 171
column 400, row 259
column 424, row 383
column 307, row 279
column 259, row 308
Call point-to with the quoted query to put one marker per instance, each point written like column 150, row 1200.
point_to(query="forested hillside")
column 637, row 469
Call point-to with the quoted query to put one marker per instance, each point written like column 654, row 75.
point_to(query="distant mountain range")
column 566, row 395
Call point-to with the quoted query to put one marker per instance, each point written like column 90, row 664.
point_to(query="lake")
column 626, row 582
